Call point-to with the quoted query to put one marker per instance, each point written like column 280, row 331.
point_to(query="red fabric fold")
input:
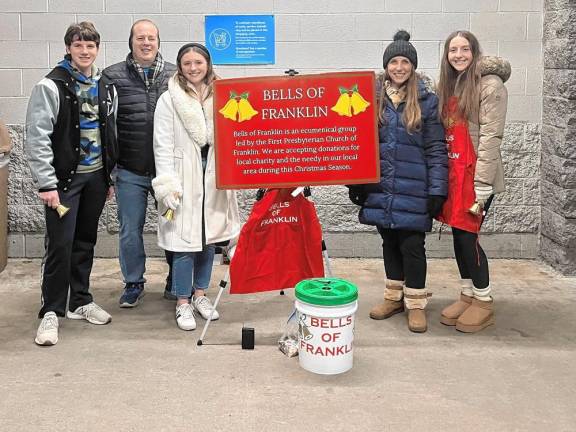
column 279, row 245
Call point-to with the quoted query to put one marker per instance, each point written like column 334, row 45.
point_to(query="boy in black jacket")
column 71, row 149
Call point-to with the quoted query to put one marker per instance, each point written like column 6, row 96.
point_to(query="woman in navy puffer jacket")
column 413, row 181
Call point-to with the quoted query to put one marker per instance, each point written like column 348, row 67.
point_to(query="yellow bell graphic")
column 245, row 110
column 359, row 104
column 238, row 108
column 230, row 110
column 343, row 105
column 350, row 102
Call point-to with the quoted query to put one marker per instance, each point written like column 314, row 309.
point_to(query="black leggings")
column 470, row 257
column 404, row 256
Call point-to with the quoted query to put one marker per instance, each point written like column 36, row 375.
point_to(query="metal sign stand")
column 231, row 248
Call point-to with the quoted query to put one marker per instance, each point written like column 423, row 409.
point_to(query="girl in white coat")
column 185, row 182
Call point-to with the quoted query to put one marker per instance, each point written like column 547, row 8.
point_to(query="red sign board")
column 273, row 132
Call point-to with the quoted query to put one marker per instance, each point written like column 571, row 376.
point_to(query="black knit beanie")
column 185, row 48
column 401, row 47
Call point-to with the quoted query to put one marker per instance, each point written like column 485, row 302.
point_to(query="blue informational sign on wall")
column 240, row 39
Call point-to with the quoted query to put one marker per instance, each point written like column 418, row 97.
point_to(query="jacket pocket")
column 179, row 161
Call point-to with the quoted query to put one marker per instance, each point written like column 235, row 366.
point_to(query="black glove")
column 357, row 194
column 435, row 203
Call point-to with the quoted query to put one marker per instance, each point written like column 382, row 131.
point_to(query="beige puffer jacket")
column 486, row 132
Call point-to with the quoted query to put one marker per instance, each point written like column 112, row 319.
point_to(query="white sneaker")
column 204, row 307
column 47, row 333
column 185, row 317
column 92, row 313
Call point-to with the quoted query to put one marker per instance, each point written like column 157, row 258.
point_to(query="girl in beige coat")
column 185, row 183
column 474, row 101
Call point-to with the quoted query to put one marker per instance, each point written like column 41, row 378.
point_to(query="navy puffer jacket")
column 412, row 167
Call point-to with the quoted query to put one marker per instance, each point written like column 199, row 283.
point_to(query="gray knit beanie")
column 401, row 47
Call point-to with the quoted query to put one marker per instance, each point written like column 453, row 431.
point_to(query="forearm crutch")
column 222, row 284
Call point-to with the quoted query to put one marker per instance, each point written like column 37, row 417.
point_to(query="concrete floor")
column 141, row 373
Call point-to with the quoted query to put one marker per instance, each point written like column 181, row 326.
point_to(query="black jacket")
column 65, row 138
column 135, row 121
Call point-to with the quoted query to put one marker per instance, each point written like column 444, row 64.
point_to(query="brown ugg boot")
column 450, row 314
column 392, row 301
column 416, row 301
column 476, row 317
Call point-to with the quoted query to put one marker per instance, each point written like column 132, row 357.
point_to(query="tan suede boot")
column 476, row 317
column 416, row 301
column 417, row 320
column 392, row 304
column 450, row 314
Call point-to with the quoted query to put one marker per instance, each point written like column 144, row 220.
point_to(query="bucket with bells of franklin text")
column 326, row 308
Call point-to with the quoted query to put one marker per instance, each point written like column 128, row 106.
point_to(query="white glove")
column 483, row 192
column 168, row 190
column 172, row 201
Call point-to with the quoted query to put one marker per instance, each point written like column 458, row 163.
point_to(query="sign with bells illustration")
column 287, row 131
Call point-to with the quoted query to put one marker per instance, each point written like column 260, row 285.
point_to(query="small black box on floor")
column 247, row 338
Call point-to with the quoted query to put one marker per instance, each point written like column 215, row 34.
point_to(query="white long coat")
column 181, row 126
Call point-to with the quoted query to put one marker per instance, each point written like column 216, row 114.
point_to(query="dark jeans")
column 470, row 257
column 404, row 256
column 69, row 244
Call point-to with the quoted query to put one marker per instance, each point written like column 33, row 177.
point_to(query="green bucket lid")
column 326, row 291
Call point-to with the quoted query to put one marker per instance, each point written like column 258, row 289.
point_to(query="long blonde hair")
column 412, row 115
column 465, row 85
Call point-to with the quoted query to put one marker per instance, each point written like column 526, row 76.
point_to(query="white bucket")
column 326, row 337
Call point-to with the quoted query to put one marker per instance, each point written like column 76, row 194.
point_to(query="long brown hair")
column 412, row 115
column 465, row 85
column 210, row 74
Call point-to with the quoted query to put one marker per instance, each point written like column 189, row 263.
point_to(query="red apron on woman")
column 461, row 169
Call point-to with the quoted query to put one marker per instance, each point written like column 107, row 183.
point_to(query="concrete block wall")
column 311, row 36
column 558, row 239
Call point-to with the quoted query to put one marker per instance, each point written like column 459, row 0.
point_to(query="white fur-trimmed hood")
column 196, row 118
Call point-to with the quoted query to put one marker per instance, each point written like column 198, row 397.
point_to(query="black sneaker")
column 132, row 294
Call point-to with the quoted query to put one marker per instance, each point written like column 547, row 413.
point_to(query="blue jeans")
column 132, row 197
column 192, row 266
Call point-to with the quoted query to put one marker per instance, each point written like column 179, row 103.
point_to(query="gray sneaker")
column 92, row 313
column 47, row 333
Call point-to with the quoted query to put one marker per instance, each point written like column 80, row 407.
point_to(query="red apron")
column 461, row 169
column 279, row 245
